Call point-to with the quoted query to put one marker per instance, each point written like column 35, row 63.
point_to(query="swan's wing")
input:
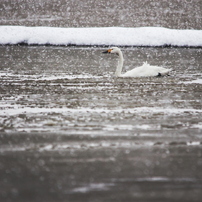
column 147, row 70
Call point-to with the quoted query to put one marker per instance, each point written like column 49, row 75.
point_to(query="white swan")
column 145, row 70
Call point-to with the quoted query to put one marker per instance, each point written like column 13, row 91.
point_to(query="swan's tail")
column 165, row 72
column 161, row 71
column 146, row 63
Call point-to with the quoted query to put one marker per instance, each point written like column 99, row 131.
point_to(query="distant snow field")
column 117, row 36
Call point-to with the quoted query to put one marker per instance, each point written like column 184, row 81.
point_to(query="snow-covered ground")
column 118, row 36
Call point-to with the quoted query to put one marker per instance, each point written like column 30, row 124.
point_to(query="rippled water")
column 71, row 131
column 72, row 89
column 77, row 132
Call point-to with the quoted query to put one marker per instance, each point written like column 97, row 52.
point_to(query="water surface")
column 71, row 131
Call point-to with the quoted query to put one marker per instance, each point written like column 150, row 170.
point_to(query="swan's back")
column 146, row 70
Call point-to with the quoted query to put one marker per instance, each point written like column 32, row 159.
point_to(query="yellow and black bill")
column 108, row 51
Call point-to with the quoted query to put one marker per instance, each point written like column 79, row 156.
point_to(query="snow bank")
column 117, row 36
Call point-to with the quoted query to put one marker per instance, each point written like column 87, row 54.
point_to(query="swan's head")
column 115, row 50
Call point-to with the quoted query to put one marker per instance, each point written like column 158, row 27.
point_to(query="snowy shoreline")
column 103, row 36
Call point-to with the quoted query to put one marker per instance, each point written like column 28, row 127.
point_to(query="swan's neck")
column 120, row 64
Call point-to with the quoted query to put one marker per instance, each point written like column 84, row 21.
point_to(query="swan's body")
column 145, row 70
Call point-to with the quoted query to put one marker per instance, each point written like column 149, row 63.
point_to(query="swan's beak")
column 108, row 51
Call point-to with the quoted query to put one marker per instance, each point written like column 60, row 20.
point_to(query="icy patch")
column 17, row 109
column 45, row 77
column 119, row 36
column 199, row 81
column 129, row 127
column 157, row 179
column 95, row 145
column 199, row 125
column 84, row 160
column 70, row 77
column 195, row 143
column 92, row 187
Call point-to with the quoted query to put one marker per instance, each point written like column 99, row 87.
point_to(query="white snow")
column 119, row 36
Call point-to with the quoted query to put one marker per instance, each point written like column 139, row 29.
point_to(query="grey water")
column 71, row 131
